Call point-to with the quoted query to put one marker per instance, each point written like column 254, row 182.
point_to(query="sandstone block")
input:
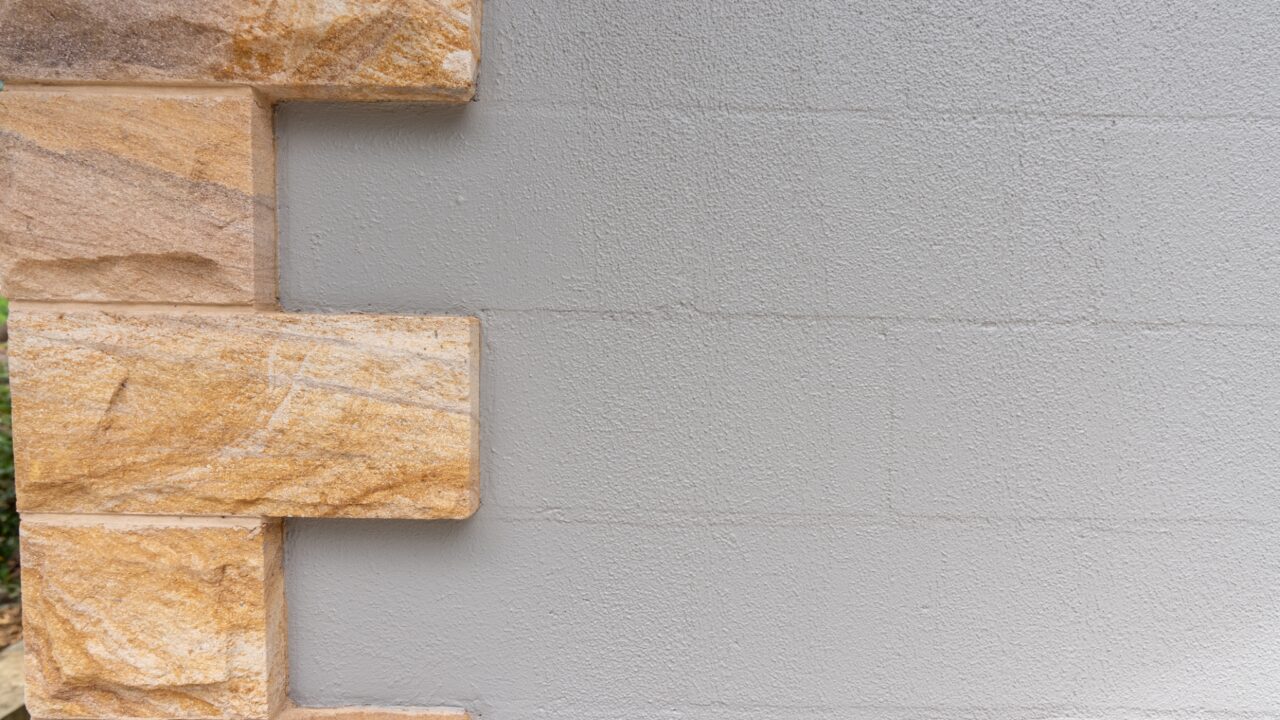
column 128, row 617
column 137, row 196
column 264, row 414
column 340, row 49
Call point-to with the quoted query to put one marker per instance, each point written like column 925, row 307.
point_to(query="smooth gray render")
column 843, row 360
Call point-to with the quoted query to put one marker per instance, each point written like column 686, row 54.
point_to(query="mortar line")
column 652, row 517
column 127, row 520
column 664, row 311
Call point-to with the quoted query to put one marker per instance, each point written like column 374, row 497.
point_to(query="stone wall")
column 167, row 414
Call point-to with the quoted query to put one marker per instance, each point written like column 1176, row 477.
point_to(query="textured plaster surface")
column 375, row 713
column 843, row 360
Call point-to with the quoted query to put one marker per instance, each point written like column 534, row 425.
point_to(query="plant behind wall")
column 9, row 578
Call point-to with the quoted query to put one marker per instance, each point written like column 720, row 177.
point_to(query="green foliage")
column 9, row 576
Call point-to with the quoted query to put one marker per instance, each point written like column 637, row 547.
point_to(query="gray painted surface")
column 842, row 360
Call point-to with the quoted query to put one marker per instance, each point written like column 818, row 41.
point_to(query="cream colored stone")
column 270, row 414
column 137, row 196
column 341, row 49
column 128, row 617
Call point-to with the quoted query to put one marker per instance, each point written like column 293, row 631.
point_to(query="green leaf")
column 9, row 576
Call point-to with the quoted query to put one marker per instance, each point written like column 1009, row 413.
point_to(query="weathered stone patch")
column 128, row 617
column 137, row 196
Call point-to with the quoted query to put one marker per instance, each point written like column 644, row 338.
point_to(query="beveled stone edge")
column 266, row 236
column 123, row 521
column 271, row 93
column 354, row 712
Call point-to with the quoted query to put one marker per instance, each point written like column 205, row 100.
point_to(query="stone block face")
column 128, row 617
column 281, row 415
column 146, row 195
column 342, row 49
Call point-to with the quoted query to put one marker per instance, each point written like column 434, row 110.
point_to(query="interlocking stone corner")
column 166, row 414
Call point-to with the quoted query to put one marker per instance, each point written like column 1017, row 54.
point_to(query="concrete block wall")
column 842, row 360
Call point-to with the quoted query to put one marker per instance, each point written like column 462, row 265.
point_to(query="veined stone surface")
column 128, row 617
column 270, row 414
column 340, row 49
column 137, row 196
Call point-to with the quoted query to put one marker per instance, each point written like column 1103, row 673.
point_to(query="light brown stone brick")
column 340, row 49
column 137, row 196
column 271, row 414
column 129, row 617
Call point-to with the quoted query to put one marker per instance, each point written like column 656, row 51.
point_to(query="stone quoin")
column 167, row 415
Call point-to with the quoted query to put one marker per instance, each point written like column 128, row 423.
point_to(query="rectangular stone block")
column 224, row 413
column 130, row 617
column 341, row 49
column 160, row 196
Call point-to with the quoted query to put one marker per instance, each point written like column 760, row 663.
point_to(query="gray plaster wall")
column 881, row 359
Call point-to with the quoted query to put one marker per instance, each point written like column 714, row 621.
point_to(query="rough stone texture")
column 245, row 414
column 342, row 49
column 137, row 196
column 126, row 617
